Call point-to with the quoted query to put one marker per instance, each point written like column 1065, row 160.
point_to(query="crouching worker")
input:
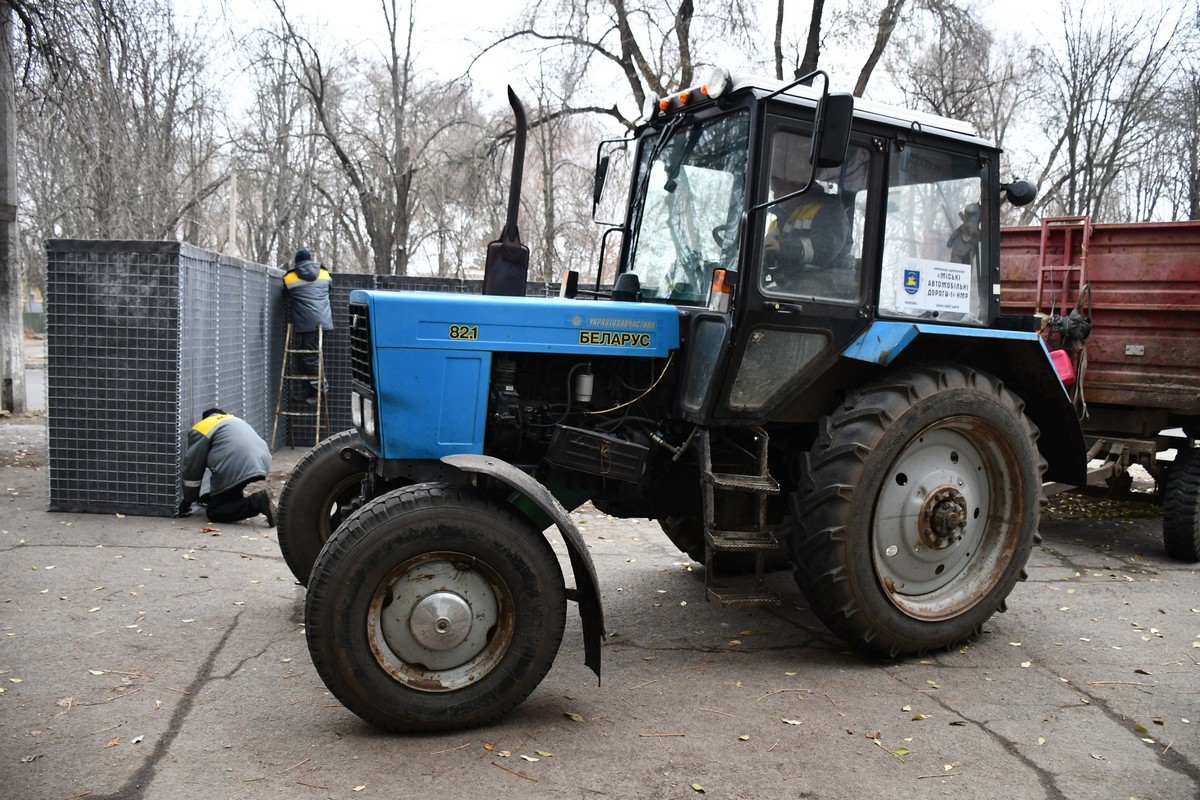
column 237, row 456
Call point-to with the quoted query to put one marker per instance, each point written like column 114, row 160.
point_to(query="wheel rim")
column 440, row 622
column 947, row 519
column 340, row 502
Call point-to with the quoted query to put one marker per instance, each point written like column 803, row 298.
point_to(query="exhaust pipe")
column 507, row 266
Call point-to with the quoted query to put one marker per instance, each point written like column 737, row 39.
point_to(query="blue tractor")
column 800, row 359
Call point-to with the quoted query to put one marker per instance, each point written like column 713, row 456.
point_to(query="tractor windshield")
column 690, row 186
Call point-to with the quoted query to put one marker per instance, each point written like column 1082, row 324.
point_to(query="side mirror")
column 835, row 114
column 1020, row 193
column 600, row 178
column 613, row 164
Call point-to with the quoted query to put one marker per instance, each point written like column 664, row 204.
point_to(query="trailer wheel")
column 917, row 509
column 1181, row 507
column 319, row 495
column 434, row 608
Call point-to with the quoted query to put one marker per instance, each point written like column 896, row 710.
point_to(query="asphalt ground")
column 161, row 658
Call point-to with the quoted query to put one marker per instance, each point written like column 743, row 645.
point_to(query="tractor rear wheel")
column 434, row 608
column 319, row 495
column 917, row 509
column 1181, row 506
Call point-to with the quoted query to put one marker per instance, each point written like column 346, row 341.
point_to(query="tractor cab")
column 797, row 219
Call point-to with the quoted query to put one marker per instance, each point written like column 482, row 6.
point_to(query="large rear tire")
column 322, row 491
column 434, row 608
column 1181, row 506
column 917, row 508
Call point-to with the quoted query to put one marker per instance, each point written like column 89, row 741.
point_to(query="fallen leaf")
column 1041, row 741
column 489, row 746
column 697, row 788
column 906, row 708
column 934, row 684
column 787, row 721
column 113, row 743
column 544, row 754
column 919, row 717
column 1026, row 664
column 900, row 751
column 745, row 737
column 360, row 787
column 530, row 758
column 571, row 715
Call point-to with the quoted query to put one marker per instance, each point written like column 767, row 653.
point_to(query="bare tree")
column 1099, row 118
column 365, row 112
column 650, row 44
column 115, row 122
column 278, row 161
column 1188, row 136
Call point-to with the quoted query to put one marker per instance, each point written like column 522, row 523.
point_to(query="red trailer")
column 1122, row 304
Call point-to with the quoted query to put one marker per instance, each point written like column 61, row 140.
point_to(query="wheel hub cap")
column 943, row 519
column 441, row 621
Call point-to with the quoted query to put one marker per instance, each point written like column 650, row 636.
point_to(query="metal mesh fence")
column 142, row 337
column 113, row 375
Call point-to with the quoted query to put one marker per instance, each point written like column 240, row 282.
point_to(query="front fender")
column 587, row 591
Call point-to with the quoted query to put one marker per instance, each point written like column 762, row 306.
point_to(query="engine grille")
column 360, row 346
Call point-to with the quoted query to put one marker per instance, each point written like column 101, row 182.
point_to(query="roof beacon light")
column 718, row 83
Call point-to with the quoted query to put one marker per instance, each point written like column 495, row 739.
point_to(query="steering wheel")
column 718, row 234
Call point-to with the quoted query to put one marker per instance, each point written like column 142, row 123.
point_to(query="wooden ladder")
column 317, row 412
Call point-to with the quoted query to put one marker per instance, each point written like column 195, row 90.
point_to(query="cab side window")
column 935, row 246
column 812, row 246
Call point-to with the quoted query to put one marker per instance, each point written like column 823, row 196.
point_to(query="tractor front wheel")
column 434, row 607
column 321, row 492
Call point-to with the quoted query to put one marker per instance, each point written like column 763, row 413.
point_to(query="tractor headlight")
column 368, row 414
column 356, row 414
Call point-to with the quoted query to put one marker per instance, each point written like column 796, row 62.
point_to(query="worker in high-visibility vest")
column 235, row 456
column 306, row 286
column 809, row 230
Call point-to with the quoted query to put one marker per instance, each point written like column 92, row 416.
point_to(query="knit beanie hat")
column 302, row 255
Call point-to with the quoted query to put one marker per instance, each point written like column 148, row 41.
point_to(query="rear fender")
column 1018, row 358
column 587, row 592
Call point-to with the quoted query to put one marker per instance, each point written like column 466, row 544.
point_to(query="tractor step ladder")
column 751, row 536
column 295, row 408
column 1061, row 277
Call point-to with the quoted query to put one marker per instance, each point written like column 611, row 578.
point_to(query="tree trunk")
column 12, row 349
column 883, row 33
column 812, row 48
column 779, row 41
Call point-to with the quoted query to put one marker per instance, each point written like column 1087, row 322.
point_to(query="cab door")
column 803, row 291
